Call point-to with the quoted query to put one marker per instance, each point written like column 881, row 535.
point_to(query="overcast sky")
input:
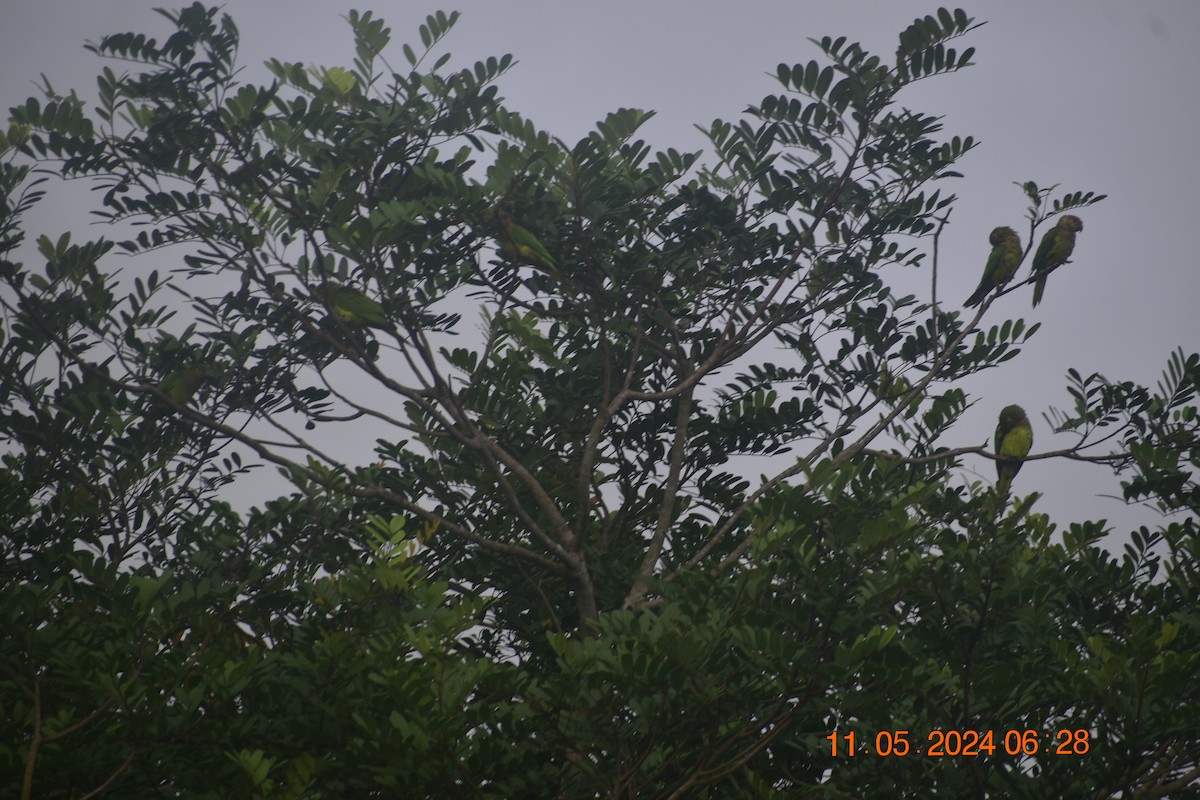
column 1096, row 95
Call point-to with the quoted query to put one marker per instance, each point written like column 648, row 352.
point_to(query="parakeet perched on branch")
column 180, row 387
column 1014, row 439
column 891, row 387
column 1056, row 247
column 1001, row 265
column 518, row 244
column 352, row 306
column 82, row 500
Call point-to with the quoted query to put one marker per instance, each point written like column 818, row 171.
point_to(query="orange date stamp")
column 964, row 743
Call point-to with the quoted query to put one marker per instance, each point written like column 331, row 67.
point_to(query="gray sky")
column 1096, row 95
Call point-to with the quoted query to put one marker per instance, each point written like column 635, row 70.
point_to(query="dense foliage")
column 661, row 495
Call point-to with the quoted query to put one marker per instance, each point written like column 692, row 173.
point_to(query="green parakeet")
column 81, row 501
column 181, row 386
column 891, row 387
column 520, row 245
column 1056, row 247
column 352, row 306
column 1014, row 438
column 1001, row 265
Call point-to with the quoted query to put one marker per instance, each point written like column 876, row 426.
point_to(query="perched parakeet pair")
column 1014, row 439
column 1001, row 265
column 518, row 244
column 352, row 306
column 1056, row 247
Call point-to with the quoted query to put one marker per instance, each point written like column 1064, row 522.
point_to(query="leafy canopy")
column 666, row 485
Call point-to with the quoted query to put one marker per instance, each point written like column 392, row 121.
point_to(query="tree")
column 553, row 577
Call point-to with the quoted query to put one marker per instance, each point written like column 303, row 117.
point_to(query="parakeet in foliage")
column 180, row 387
column 518, row 244
column 352, row 306
column 1001, row 265
column 891, row 387
column 1056, row 247
column 1014, row 439
column 80, row 500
